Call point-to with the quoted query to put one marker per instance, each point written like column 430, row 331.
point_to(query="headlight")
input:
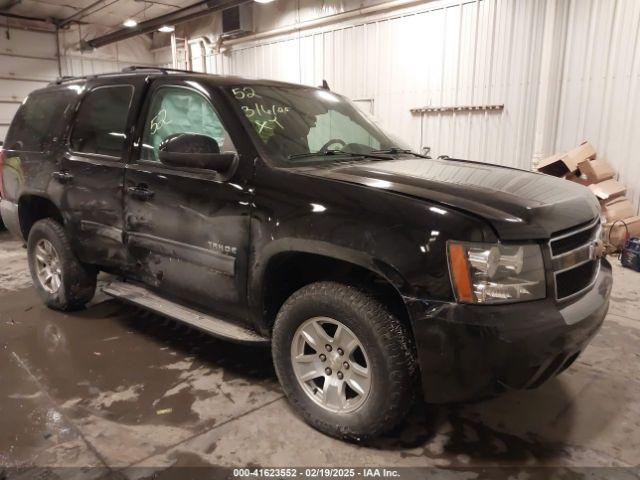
column 496, row 273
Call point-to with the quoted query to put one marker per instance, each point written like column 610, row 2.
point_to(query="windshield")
column 300, row 125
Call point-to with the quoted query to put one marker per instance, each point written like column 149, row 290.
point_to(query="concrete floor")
column 115, row 387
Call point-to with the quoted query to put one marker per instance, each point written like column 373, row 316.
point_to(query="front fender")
column 330, row 250
column 400, row 238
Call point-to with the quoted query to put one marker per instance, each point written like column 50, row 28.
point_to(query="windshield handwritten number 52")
column 244, row 92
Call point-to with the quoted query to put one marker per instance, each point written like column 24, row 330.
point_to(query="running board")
column 217, row 327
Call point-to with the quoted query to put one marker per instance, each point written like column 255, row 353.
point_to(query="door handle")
column 140, row 193
column 62, row 177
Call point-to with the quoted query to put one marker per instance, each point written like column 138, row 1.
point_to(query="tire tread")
column 82, row 290
column 399, row 357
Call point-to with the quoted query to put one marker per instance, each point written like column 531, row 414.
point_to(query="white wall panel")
column 600, row 88
column 28, row 60
column 469, row 52
column 445, row 54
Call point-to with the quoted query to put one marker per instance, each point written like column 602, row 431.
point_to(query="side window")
column 176, row 110
column 38, row 122
column 101, row 121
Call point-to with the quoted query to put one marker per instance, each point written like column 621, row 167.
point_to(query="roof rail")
column 134, row 68
column 68, row 78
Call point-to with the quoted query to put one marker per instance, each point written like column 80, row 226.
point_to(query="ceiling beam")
column 78, row 14
column 182, row 15
column 25, row 17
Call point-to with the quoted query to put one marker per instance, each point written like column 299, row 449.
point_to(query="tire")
column 77, row 281
column 386, row 354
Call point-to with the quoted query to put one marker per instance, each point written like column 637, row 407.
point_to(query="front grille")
column 573, row 261
column 564, row 244
column 575, row 279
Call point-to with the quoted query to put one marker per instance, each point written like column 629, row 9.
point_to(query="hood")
column 517, row 203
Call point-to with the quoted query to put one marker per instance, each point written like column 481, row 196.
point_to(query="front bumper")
column 472, row 351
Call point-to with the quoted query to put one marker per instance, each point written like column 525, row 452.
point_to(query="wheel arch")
column 32, row 208
column 287, row 271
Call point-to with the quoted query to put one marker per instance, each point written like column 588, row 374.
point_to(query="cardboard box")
column 618, row 208
column 608, row 189
column 616, row 233
column 576, row 177
column 557, row 165
column 561, row 164
column 581, row 153
column 595, row 171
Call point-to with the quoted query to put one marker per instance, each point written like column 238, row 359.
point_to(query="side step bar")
column 140, row 296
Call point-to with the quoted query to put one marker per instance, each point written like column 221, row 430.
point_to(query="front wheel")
column 344, row 362
column 62, row 281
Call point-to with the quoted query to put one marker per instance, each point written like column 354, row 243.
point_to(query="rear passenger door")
column 188, row 228
column 93, row 170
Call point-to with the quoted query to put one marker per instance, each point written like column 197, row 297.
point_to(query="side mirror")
column 192, row 150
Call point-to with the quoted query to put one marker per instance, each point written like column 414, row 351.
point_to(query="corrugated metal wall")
column 600, row 85
column 476, row 52
column 439, row 53
column 446, row 54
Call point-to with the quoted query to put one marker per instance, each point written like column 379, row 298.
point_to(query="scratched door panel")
column 190, row 238
column 93, row 165
column 189, row 232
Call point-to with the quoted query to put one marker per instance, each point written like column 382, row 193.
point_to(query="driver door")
column 186, row 228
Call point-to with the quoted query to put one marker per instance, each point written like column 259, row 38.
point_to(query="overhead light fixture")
column 166, row 29
column 130, row 22
column 264, row 1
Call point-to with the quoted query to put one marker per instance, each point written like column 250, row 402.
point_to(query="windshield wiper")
column 329, row 152
column 397, row 150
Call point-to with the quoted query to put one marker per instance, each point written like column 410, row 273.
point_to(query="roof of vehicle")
column 137, row 71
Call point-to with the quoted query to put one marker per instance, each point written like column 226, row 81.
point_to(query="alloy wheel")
column 48, row 268
column 331, row 364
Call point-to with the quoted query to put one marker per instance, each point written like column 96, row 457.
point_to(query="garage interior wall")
column 565, row 70
column 30, row 61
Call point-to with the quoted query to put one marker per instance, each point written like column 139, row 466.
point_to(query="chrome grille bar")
column 576, row 257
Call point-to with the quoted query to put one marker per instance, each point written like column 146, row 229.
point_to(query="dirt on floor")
column 121, row 390
column 13, row 260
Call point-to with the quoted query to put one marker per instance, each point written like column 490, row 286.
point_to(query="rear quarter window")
column 101, row 121
column 38, row 123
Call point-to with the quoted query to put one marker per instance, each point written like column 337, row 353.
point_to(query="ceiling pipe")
column 317, row 22
column 25, row 17
column 174, row 18
column 79, row 13
column 40, row 26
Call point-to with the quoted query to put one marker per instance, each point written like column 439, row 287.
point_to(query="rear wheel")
column 344, row 361
column 61, row 280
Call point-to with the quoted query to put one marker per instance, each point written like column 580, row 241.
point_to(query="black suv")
column 268, row 212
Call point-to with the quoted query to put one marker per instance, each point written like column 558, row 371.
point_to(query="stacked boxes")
column 580, row 165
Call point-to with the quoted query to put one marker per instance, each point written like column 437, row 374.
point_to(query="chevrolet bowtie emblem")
column 597, row 250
